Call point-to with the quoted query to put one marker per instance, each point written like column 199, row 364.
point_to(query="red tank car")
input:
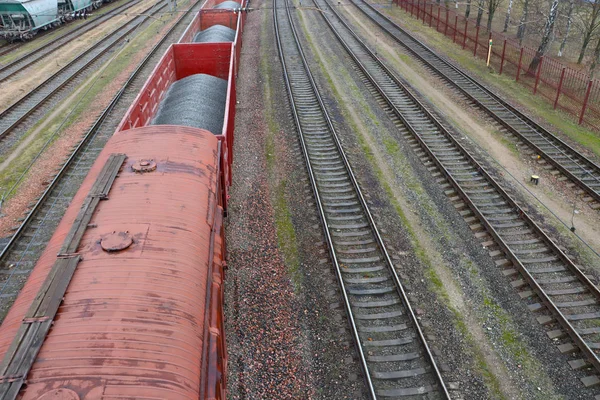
column 126, row 300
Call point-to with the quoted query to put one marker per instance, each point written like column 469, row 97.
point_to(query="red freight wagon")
column 126, row 300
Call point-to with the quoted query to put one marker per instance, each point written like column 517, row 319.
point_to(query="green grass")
column 90, row 90
column 513, row 344
column 491, row 380
column 286, row 232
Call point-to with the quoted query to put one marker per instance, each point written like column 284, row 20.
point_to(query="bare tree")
column 568, row 28
column 480, row 5
column 590, row 21
column 547, row 35
column 596, row 59
column 508, row 11
column 492, row 7
column 468, row 9
column 523, row 21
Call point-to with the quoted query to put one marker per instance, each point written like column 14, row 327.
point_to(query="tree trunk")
column 590, row 27
column 508, row 11
column 596, row 59
column 568, row 28
column 490, row 18
column 584, row 45
column 468, row 9
column 523, row 22
column 546, row 38
column 480, row 4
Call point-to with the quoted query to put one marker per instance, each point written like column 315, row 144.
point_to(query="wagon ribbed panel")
column 131, row 323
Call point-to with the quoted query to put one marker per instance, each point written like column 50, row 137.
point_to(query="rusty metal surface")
column 132, row 322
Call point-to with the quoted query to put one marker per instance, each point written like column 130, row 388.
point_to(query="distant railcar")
column 23, row 19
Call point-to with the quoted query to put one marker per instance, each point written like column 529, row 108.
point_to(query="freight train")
column 126, row 301
column 23, row 19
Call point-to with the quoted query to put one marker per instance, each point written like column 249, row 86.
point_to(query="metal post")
column 585, row 101
column 446, row 26
column 519, row 66
column 476, row 41
column 489, row 55
column 465, row 36
column 537, row 75
column 560, row 83
column 455, row 24
column 430, row 14
column 502, row 60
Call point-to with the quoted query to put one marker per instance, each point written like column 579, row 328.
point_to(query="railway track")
column 19, row 112
column 541, row 272
column 7, row 71
column 580, row 170
column 8, row 48
column 393, row 351
column 22, row 251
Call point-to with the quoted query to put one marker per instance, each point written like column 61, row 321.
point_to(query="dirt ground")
column 27, row 79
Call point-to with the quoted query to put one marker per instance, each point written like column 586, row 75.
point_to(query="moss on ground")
column 286, row 232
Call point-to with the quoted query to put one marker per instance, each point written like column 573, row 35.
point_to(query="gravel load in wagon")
column 228, row 4
column 197, row 101
column 215, row 34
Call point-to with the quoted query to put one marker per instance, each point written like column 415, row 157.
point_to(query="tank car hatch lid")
column 116, row 241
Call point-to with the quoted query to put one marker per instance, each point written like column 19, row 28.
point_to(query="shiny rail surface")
column 393, row 351
column 20, row 255
column 574, row 165
column 570, row 297
column 23, row 108
column 14, row 67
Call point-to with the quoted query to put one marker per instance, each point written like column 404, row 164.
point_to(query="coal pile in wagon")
column 228, row 4
column 214, row 34
column 197, row 101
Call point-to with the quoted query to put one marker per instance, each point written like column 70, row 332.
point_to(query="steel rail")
column 460, row 188
column 16, row 66
column 530, row 130
column 21, row 103
column 363, row 205
column 8, row 48
column 80, row 149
